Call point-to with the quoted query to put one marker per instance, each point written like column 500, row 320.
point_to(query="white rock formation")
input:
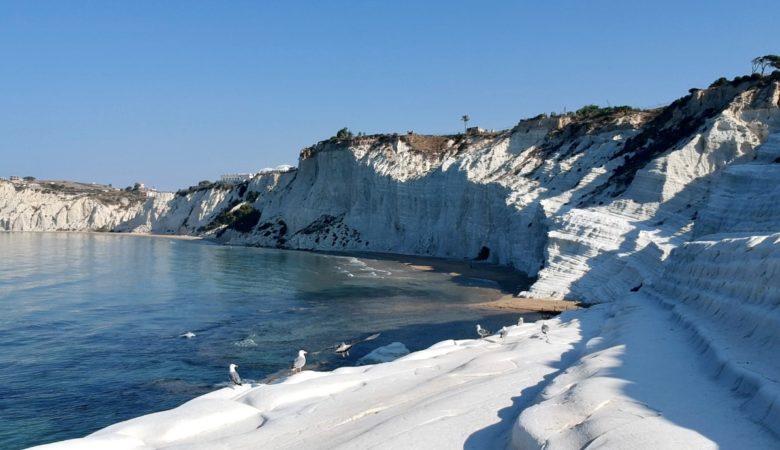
column 38, row 206
column 387, row 353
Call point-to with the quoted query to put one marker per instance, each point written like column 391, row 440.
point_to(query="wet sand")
column 508, row 282
column 524, row 304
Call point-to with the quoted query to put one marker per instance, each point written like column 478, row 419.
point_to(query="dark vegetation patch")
column 274, row 230
column 252, row 196
column 202, row 186
column 242, row 219
column 594, row 111
column 331, row 231
column 242, row 188
column 322, row 223
column 246, row 219
column 722, row 81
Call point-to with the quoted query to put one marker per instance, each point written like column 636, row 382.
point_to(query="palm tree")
column 465, row 120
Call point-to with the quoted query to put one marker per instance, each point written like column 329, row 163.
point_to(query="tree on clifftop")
column 344, row 134
column 762, row 62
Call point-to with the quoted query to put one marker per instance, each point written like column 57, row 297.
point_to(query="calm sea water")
column 91, row 323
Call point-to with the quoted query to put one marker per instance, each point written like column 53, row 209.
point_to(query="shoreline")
column 508, row 280
column 183, row 237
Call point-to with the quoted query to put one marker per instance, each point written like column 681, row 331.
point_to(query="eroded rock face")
column 56, row 206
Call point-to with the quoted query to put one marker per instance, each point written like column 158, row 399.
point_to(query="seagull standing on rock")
column 234, row 377
column 503, row 333
column 299, row 361
column 520, row 321
column 545, row 329
column 483, row 333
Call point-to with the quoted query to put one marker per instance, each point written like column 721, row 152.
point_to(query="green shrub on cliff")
column 242, row 219
column 344, row 134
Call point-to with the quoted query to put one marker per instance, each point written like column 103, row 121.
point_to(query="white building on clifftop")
column 234, row 178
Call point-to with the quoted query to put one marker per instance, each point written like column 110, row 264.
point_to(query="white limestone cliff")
column 34, row 206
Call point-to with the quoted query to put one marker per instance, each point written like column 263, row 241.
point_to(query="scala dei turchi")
column 665, row 221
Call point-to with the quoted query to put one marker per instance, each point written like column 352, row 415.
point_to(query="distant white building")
column 234, row 178
column 153, row 193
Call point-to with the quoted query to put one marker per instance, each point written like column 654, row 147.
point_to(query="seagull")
column 234, row 377
column 545, row 329
column 187, row 335
column 343, row 349
column 299, row 361
column 482, row 332
column 520, row 321
column 503, row 333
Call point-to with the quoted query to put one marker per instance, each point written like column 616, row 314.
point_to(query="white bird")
column 503, row 333
column 234, row 377
column 482, row 332
column 520, row 321
column 545, row 329
column 343, row 349
column 188, row 335
column 299, row 361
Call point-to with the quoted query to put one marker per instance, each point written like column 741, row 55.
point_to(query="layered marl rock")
column 64, row 206
column 665, row 198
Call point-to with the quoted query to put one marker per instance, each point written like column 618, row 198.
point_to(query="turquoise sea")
column 91, row 323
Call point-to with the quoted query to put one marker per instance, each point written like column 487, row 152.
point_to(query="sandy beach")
column 524, row 304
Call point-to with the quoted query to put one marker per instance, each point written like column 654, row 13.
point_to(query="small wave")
column 244, row 381
column 344, row 271
column 248, row 342
column 364, row 269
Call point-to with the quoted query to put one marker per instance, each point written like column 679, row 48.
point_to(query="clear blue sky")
column 173, row 92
